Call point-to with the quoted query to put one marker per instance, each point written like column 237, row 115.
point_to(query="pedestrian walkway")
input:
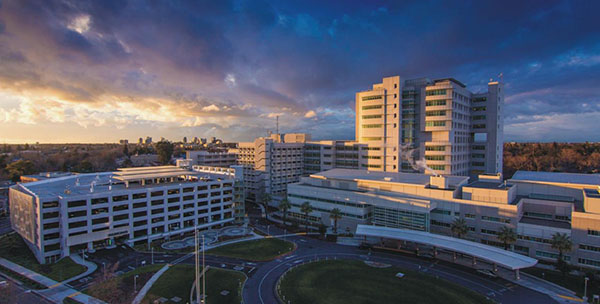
column 90, row 266
column 56, row 291
column 140, row 296
column 558, row 293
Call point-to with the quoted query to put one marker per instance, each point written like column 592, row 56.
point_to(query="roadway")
column 263, row 276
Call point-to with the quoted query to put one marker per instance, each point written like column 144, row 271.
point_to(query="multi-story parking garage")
column 60, row 216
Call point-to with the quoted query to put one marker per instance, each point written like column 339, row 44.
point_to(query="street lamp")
column 585, row 289
column 104, row 267
column 135, row 282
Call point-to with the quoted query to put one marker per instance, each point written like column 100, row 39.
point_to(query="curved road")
column 260, row 287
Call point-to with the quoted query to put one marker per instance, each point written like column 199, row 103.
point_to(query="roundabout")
column 353, row 281
column 210, row 237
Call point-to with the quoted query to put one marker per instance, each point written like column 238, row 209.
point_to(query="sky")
column 100, row 71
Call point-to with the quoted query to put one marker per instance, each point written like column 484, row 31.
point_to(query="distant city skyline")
column 97, row 72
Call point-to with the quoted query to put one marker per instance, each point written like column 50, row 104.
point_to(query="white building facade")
column 60, row 216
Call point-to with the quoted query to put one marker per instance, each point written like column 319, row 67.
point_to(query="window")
column 100, row 220
column 441, row 211
column 435, row 157
column 435, row 123
column 374, row 97
column 77, row 213
column 372, row 126
column 173, row 200
column 435, row 92
column 121, row 217
column 157, row 211
column 172, row 191
column 120, row 208
column 435, row 148
column 479, row 126
column 77, row 224
column 438, row 167
column 488, row 231
column 50, row 204
column 436, row 113
column 370, row 138
column 478, row 109
column 139, row 195
column 51, row 225
column 593, row 232
column 551, row 255
column 202, row 188
column 495, row 219
column 431, row 103
column 100, row 210
column 140, row 213
column 49, row 215
column 594, row 263
column 190, row 189
column 371, row 116
column 478, row 117
column 479, row 99
column 188, row 197
column 74, row 204
column 470, row 215
column 51, row 236
column 157, row 193
column 139, row 205
column 100, row 200
column 372, row 107
column 120, row 198
column 589, row 247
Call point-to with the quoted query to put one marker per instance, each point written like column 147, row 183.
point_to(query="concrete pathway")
column 56, row 291
column 142, row 293
column 556, row 292
column 91, row 267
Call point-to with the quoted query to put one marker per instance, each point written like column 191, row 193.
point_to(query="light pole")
column 268, row 226
column 585, row 289
column 104, row 267
column 204, row 274
column 152, row 254
column 135, row 282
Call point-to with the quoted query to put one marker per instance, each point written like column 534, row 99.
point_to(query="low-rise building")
column 60, row 216
column 211, row 158
column 536, row 205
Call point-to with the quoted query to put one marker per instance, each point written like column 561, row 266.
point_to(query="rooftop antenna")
column 501, row 76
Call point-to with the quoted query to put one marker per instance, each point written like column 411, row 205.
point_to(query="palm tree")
column 266, row 198
column 306, row 208
column 335, row 215
column 562, row 243
column 459, row 227
column 507, row 236
column 284, row 206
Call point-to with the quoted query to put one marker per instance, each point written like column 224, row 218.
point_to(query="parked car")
column 365, row 246
column 487, row 273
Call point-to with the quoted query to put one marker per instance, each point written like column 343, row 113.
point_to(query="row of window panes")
column 371, row 116
column 430, row 103
column 374, row 97
column 437, row 123
column 435, row 157
column 435, row 92
column 372, row 107
column 436, row 113
column 372, row 126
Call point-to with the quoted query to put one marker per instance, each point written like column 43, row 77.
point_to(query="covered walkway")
column 496, row 256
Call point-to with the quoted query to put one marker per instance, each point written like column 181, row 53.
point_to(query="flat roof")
column 545, row 222
column 82, row 183
column 558, row 177
column 150, row 172
column 492, row 254
column 489, row 185
column 390, row 177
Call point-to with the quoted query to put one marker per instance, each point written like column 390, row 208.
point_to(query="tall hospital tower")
column 431, row 125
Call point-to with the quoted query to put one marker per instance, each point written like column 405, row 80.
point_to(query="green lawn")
column 15, row 250
column 120, row 289
column 178, row 281
column 255, row 250
column 572, row 282
column 348, row 282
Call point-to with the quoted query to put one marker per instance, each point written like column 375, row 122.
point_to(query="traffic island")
column 350, row 281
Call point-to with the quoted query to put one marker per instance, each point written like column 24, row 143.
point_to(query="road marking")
column 570, row 298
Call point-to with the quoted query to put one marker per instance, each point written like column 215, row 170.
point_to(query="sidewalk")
column 56, row 291
column 142, row 293
column 556, row 292
column 91, row 267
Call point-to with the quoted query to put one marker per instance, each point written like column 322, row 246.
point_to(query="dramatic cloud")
column 104, row 70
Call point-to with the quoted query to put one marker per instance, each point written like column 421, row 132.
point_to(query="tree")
column 266, row 198
column 18, row 168
column 459, row 227
column 284, row 206
column 335, row 215
column 322, row 230
column 562, row 243
column 126, row 150
column 306, row 208
column 507, row 236
column 165, row 151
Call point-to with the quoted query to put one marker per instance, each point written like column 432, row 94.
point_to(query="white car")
column 399, row 275
column 488, row 273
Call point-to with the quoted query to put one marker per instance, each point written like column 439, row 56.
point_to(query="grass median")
column 348, row 282
column 255, row 250
column 177, row 282
column 15, row 250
